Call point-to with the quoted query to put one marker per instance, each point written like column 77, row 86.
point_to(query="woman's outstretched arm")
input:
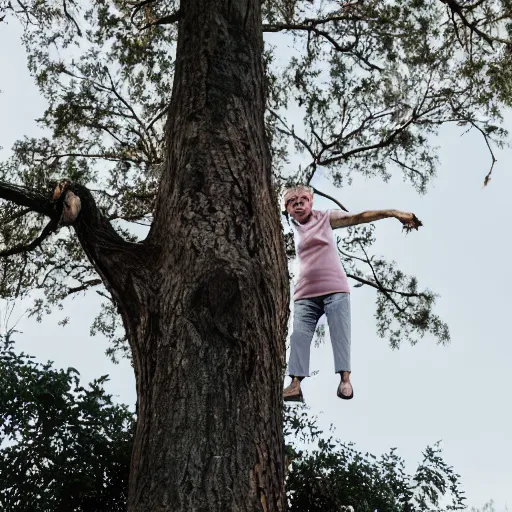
column 341, row 219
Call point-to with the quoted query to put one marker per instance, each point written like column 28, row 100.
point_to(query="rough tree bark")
column 204, row 299
column 209, row 347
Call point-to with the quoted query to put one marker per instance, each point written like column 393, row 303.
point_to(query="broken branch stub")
column 71, row 208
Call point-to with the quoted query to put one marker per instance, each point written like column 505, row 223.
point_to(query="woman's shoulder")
column 320, row 215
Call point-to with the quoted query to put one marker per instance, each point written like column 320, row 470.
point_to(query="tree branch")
column 137, row 6
column 127, row 105
column 22, row 273
column 69, row 17
column 27, row 197
column 157, row 118
column 165, row 20
column 17, row 249
column 378, row 145
column 112, row 157
column 291, row 133
column 408, row 167
column 115, row 259
column 84, row 286
column 16, row 215
column 329, row 197
column 380, row 288
column 304, row 25
column 493, row 161
column 310, row 27
column 457, row 9
column 150, row 150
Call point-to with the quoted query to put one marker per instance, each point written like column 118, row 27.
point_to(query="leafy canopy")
column 369, row 82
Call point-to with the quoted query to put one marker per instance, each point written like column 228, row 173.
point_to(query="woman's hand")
column 409, row 220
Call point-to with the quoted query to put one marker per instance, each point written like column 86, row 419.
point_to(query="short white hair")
column 295, row 190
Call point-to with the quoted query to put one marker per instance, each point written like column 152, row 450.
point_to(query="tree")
column 203, row 293
column 64, row 447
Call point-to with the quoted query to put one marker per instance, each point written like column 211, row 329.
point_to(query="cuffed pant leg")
column 337, row 310
column 306, row 314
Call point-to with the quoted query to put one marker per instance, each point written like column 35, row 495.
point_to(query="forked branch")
column 462, row 12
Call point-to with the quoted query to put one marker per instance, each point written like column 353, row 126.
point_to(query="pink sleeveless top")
column 320, row 268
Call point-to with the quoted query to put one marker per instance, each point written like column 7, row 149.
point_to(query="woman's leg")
column 337, row 310
column 306, row 314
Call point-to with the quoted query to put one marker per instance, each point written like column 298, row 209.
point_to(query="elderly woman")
column 321, row 286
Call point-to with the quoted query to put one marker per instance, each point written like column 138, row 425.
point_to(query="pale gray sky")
column 409, row 398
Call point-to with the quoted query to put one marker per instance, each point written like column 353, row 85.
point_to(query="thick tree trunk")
column 208, row 329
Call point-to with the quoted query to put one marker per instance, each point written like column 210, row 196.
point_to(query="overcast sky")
column 409, row 398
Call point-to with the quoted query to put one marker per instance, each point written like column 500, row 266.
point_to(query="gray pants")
column 307, row 312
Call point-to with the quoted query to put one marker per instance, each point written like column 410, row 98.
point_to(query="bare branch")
column 329, row 197
column 493, row 158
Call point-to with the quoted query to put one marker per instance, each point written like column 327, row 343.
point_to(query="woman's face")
column 299, row 206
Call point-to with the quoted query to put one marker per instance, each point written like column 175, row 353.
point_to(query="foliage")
column 63, row 447
column 370, row 82
column 335, row 474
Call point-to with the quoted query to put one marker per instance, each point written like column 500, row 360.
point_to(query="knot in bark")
column 71, row 208
column 68, row 201
column 218, row 301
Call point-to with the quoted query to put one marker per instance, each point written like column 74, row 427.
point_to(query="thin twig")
column 377, row 287
column 316, row 191
column 291, row 133
column 22, row 273
column 381, row 287
column 165, row 20
column 157, row 118
column 310, row 28
column 137, row 6
column 84, row 286
column 69, row 17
